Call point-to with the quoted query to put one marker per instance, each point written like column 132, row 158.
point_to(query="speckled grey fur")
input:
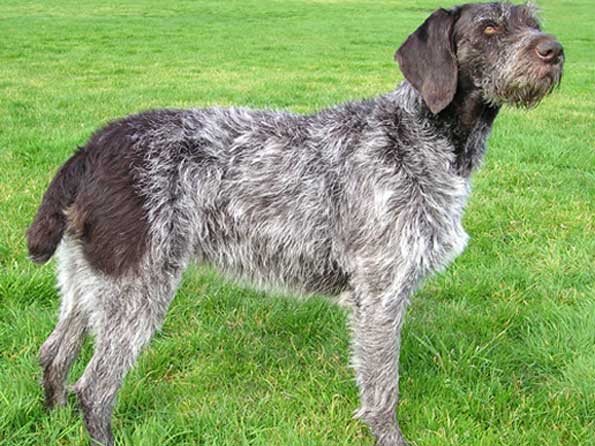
column 363, row 200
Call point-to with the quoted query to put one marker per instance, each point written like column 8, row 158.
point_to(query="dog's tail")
column 45, row 233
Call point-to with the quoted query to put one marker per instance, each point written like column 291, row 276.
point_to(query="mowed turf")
column 498, row 350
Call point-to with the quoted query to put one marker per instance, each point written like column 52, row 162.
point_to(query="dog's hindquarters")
column 114, row 279
column 122, row 313
column 43, row 238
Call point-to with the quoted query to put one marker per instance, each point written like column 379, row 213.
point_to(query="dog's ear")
column 427, row 60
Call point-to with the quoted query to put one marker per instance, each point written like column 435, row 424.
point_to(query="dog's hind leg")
column 126, row 315
column 57, row 355
column 61, row 348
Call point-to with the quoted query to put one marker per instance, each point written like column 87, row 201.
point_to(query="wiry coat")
column 365, row 198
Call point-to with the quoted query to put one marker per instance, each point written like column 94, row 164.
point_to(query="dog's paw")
column 392, row 439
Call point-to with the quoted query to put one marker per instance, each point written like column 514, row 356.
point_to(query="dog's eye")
column 490, row 30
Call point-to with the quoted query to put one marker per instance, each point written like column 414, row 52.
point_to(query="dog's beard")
column 527, row 95
column 524, row 89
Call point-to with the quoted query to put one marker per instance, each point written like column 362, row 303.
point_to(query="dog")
column 364, row 199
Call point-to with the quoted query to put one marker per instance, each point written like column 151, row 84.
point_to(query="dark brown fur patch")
column 95, row 198
column 108, row 214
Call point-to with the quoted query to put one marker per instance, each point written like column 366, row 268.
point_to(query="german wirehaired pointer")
column 364, row 200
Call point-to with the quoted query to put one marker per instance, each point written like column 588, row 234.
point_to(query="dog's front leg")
column 376, row 323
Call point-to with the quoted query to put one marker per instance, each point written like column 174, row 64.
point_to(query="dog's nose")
column 549, row 50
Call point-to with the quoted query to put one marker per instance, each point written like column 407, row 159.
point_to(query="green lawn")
column 499, row 350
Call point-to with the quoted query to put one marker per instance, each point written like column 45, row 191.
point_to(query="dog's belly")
column 288, row 257
column 264, row 269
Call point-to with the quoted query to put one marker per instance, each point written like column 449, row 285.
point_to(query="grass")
column 499, row 350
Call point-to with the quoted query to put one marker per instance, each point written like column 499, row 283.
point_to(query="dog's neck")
column 466, row 122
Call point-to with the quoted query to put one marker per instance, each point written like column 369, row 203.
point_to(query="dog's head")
column 496, row 49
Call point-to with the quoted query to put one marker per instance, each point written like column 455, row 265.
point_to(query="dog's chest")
column 420, row 223
column 430, row 216
column 442, row 222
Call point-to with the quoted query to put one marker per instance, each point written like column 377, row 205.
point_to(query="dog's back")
column 248, row 191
